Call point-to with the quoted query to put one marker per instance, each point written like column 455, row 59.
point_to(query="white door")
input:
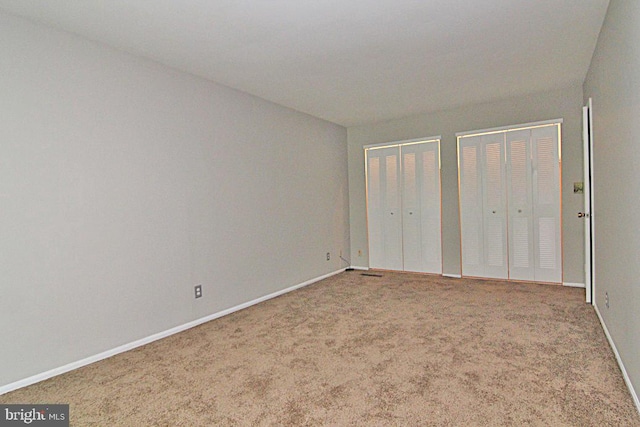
column 421, row 222
column 547, row 227
column 520, row 196
column 587, row 213
column 483, row 206
column 383, row 208
column 533, row 175
column 471, row 217
column 510, row 204
column 495, row 207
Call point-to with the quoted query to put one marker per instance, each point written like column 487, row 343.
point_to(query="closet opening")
column 404, row 210
column 509, row 182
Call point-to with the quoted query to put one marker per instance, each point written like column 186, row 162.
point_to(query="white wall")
column 613, row 82
column 563, row 103
column 124, row 183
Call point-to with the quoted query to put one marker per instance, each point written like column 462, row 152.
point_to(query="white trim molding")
column 625, row 375
column 155, row 337
column 404, row 142
column 509, row 128
column 355, row 267
column 453, row 276
column 573, row 285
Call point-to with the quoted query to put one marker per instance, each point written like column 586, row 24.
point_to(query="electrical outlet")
column 606, row 299
column 328, row 256
column 198, row 289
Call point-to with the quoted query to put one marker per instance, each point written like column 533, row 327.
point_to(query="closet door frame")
column 370, row 221
column 556, row 123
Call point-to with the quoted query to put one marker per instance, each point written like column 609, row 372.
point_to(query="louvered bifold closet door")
column 483, row 206
column 494, row 206
column 471, row 223
column 546, row 204
column 421, row 207
column 520, row 197
column 510, row 190
column 383, row 208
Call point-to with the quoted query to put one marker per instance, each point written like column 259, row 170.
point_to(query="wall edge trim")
column 151, row 338
column 573, row 285
column 625, row 375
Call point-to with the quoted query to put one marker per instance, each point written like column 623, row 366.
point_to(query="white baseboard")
column 625, row 375
column 355, row 267
column 573, row 285
column 453, row 276
column 143, row 341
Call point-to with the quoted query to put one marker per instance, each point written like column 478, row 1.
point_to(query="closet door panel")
column 411, row 213
column 546, row 205
column 513, row 179
column 471, row 211
column 494, row 206
column 374, row 210
column 421, row 207
column 383, row 208
column 431, row 199
column 520, row 202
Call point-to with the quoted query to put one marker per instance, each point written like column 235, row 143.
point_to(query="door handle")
column 583, row 215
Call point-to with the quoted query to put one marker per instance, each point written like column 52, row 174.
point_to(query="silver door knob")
column 583, row 215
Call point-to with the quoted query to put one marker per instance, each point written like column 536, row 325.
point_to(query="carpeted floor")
column 398, row 350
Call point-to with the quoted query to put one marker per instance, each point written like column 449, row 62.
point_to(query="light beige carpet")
column 402, row 349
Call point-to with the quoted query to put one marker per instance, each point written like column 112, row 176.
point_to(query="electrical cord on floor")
column 348, row 264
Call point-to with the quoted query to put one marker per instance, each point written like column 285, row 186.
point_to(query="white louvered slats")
column 403, row 207
column 471, row 211
column 513, row 178
column 374, row 211
column 411, row 227
column 383, row 209
column 421, row 207
column 431, row 209
column 546, row 202
column 392, row 215
column 521, row 265
column 495, row 207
